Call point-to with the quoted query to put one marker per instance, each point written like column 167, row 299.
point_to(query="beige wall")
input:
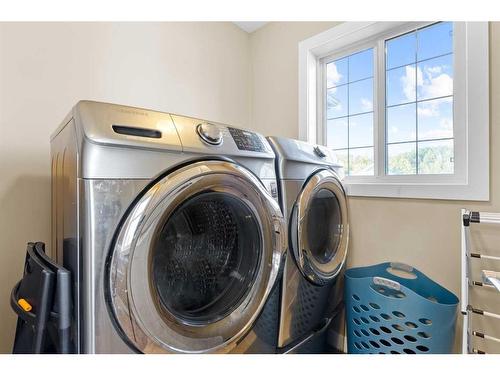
column 423, row 233
column 198, row 69
column 274, row 75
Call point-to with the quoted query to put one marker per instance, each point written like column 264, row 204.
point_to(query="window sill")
column 449, row 191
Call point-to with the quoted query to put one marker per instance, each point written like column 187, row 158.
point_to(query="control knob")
column 319, row 152
column 209, row 133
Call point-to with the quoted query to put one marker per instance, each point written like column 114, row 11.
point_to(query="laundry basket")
column 392, row 308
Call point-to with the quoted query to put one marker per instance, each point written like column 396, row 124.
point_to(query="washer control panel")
column 246, row 140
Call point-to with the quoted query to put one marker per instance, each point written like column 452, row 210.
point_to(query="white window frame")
column 470, row 114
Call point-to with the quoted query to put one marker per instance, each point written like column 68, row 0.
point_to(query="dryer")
column 171, row 228
column 314, row 202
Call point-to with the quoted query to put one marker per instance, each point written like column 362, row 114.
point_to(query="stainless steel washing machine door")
column 195, row 260
column 319, row 227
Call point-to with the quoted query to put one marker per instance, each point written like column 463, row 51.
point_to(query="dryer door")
column 195, row 260
column 319, row 227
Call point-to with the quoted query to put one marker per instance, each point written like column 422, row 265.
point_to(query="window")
column 349, row 111
column 419, row 101
column 403, row 105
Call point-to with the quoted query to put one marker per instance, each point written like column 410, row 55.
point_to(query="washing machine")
column 171, row 229
column 314, row 202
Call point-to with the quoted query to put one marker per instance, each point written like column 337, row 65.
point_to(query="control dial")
column 319, row 152
column 209, row 133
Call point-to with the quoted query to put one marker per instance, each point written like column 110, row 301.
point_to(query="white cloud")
column 431, row 108
column 332, row 101
column 434, row 134
column 446, row 123
column 440, row 85
column 435, row 123
column 335, row 104
column 333, row 75
column 408, row 82
column 435, row 69
column 429, row 111
column 366, row 105
column 432, row 82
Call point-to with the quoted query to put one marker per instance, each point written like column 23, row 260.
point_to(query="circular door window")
column 206, row 257
column 324, row 225
column 195, row 259
column 319, row 228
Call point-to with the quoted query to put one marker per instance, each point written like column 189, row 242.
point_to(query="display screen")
column 246, row 140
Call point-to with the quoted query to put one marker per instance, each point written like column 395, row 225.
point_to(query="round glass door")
column 324, row 225
column 195, row 260
column 206, row 257
column 319, row 228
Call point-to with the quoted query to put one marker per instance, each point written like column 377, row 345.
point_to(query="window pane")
column 361, row 161
column 336, row 133
column 419, row 101
column 435, row 157
column 401, row 158
column 361, row 65
column 342, row 159
column 361, row 130
column 401, row 123
column 336, row 73
column 435, row 77
column 401, row 50
column 435, row 119
column 400, row 85
column 349, row 111
column 361, row 96
column 336, row 102
column 435, row 40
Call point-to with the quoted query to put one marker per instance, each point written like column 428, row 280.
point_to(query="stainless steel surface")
column 95, row 121
column 134, row 300
column 98, row 174
column 210, row 133
column 64, row 196
column 297, row 160
column 307, row 295
column 104, row 204
column 306, row 344
column 136, row 157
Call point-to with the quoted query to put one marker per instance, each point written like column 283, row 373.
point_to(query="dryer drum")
column 324, row 227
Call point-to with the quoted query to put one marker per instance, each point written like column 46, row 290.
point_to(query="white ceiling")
column 249, row 27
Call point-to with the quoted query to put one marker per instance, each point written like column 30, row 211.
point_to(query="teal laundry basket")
column 392, row 308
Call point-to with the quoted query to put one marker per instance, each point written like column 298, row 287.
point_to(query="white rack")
column 490, row 279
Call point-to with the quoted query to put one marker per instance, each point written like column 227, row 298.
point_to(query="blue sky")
column 419, row 89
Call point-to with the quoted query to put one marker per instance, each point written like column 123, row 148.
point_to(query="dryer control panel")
column 246, row 140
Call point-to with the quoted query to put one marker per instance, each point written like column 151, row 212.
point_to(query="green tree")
column 431, row 160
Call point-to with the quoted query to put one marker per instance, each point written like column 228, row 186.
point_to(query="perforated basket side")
column 387, row 321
